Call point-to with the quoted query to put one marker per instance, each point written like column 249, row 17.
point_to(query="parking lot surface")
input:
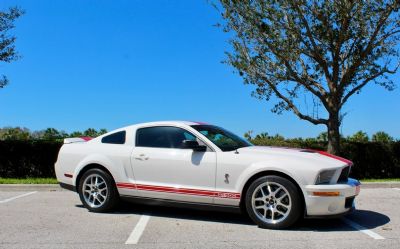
column 56, row 219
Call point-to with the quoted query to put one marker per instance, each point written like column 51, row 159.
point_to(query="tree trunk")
column 333, row 133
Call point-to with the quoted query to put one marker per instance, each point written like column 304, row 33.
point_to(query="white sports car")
column 205, row 165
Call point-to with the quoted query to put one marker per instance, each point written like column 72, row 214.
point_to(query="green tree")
column 53, row 134
column 7, row 47
column 91, row 132
column 101, row 132
column 37, row 134
column 359, row 136
column 248, row 135
column 262, row 135
column 17, row 133
column 76, row 134
column 382, row 137
column 320, row 52
column 323, row 137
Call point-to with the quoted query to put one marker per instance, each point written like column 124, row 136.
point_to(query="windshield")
column 225, row 140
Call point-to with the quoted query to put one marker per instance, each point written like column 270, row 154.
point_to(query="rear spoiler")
column 76, row 140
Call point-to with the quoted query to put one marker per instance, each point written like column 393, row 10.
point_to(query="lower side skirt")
column 182, row 204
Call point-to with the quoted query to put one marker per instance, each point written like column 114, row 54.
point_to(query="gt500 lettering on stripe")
column 185, row 191
column 228, row 195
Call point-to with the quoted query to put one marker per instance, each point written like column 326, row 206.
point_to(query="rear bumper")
column 67, row 186
column 340, row 203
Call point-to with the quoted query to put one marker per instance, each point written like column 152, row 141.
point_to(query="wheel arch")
column 269, row 173
column 88, row 167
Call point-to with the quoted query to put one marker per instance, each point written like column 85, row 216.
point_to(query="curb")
column 56, row 187
column 30, row 187
column 380, row 184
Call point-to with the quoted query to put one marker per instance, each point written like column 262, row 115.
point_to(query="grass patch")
column 28, row 180
column 34, row 180
column 381, row 180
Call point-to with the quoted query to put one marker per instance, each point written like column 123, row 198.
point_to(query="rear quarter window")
column 115, row 138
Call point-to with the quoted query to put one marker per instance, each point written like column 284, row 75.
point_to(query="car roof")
column 158, row 123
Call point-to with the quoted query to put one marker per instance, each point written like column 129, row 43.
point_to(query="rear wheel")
column 273, row 202
column 97, row 191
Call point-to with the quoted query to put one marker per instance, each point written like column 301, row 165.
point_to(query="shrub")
column 371, row 159
column 29, row 158
column 36, row 158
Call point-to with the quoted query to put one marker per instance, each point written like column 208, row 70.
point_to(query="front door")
column 162, row 169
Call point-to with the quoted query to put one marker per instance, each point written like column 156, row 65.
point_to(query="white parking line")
column 362, row 229
column 138, row 230
column 396, row 188
column 18, row 196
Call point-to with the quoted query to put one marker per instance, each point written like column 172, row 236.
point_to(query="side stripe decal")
column 185, row 191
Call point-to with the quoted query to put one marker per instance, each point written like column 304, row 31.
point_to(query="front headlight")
column 324, row 177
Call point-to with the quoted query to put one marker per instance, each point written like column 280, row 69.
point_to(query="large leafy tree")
column 7, row 47
column 312, row 56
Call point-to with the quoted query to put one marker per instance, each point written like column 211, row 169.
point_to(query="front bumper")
column 341, row 201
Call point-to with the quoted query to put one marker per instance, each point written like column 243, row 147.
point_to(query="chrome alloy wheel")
column 271, row 202
column 95, row 190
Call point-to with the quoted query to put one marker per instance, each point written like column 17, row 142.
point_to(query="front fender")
column 259, row 167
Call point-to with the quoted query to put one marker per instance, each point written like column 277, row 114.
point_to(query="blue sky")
column 106, row 64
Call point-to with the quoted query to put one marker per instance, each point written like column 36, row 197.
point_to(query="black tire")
column 266, row 202
column 102, row 204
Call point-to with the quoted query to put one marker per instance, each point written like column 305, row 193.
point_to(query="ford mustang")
column 202, row 165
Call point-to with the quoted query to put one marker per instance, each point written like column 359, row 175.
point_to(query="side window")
column 189, row 136
column 219, row 139
column 115, row 138
column 152, row 137
column 162, row 137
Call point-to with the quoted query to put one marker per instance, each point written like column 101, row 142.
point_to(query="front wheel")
column 97, row 191
column 273, row 202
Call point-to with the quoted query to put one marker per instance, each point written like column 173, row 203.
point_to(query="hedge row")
column 29, row 158
column 371, row 159
column 36, row 158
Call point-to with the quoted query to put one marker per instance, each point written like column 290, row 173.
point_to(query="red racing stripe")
column 186, row 191
column 86, row 138
column 335, row 157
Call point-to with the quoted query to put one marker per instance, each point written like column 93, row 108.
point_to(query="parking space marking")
column 362, row 229
column 18, row 196
column 137, row 232
column 396, row 188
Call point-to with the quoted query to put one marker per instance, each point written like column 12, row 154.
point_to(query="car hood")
column 314, row 157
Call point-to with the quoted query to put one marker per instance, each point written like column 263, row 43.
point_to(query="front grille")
column 344, row 175
column 349, row 202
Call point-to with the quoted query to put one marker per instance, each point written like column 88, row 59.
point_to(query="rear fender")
column 101, row 160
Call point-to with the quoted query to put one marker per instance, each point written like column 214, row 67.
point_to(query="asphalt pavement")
column 50, row 218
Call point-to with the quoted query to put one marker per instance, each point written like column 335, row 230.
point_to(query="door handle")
column 142, row 157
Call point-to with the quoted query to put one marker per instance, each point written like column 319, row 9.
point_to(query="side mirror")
column 194, row 145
